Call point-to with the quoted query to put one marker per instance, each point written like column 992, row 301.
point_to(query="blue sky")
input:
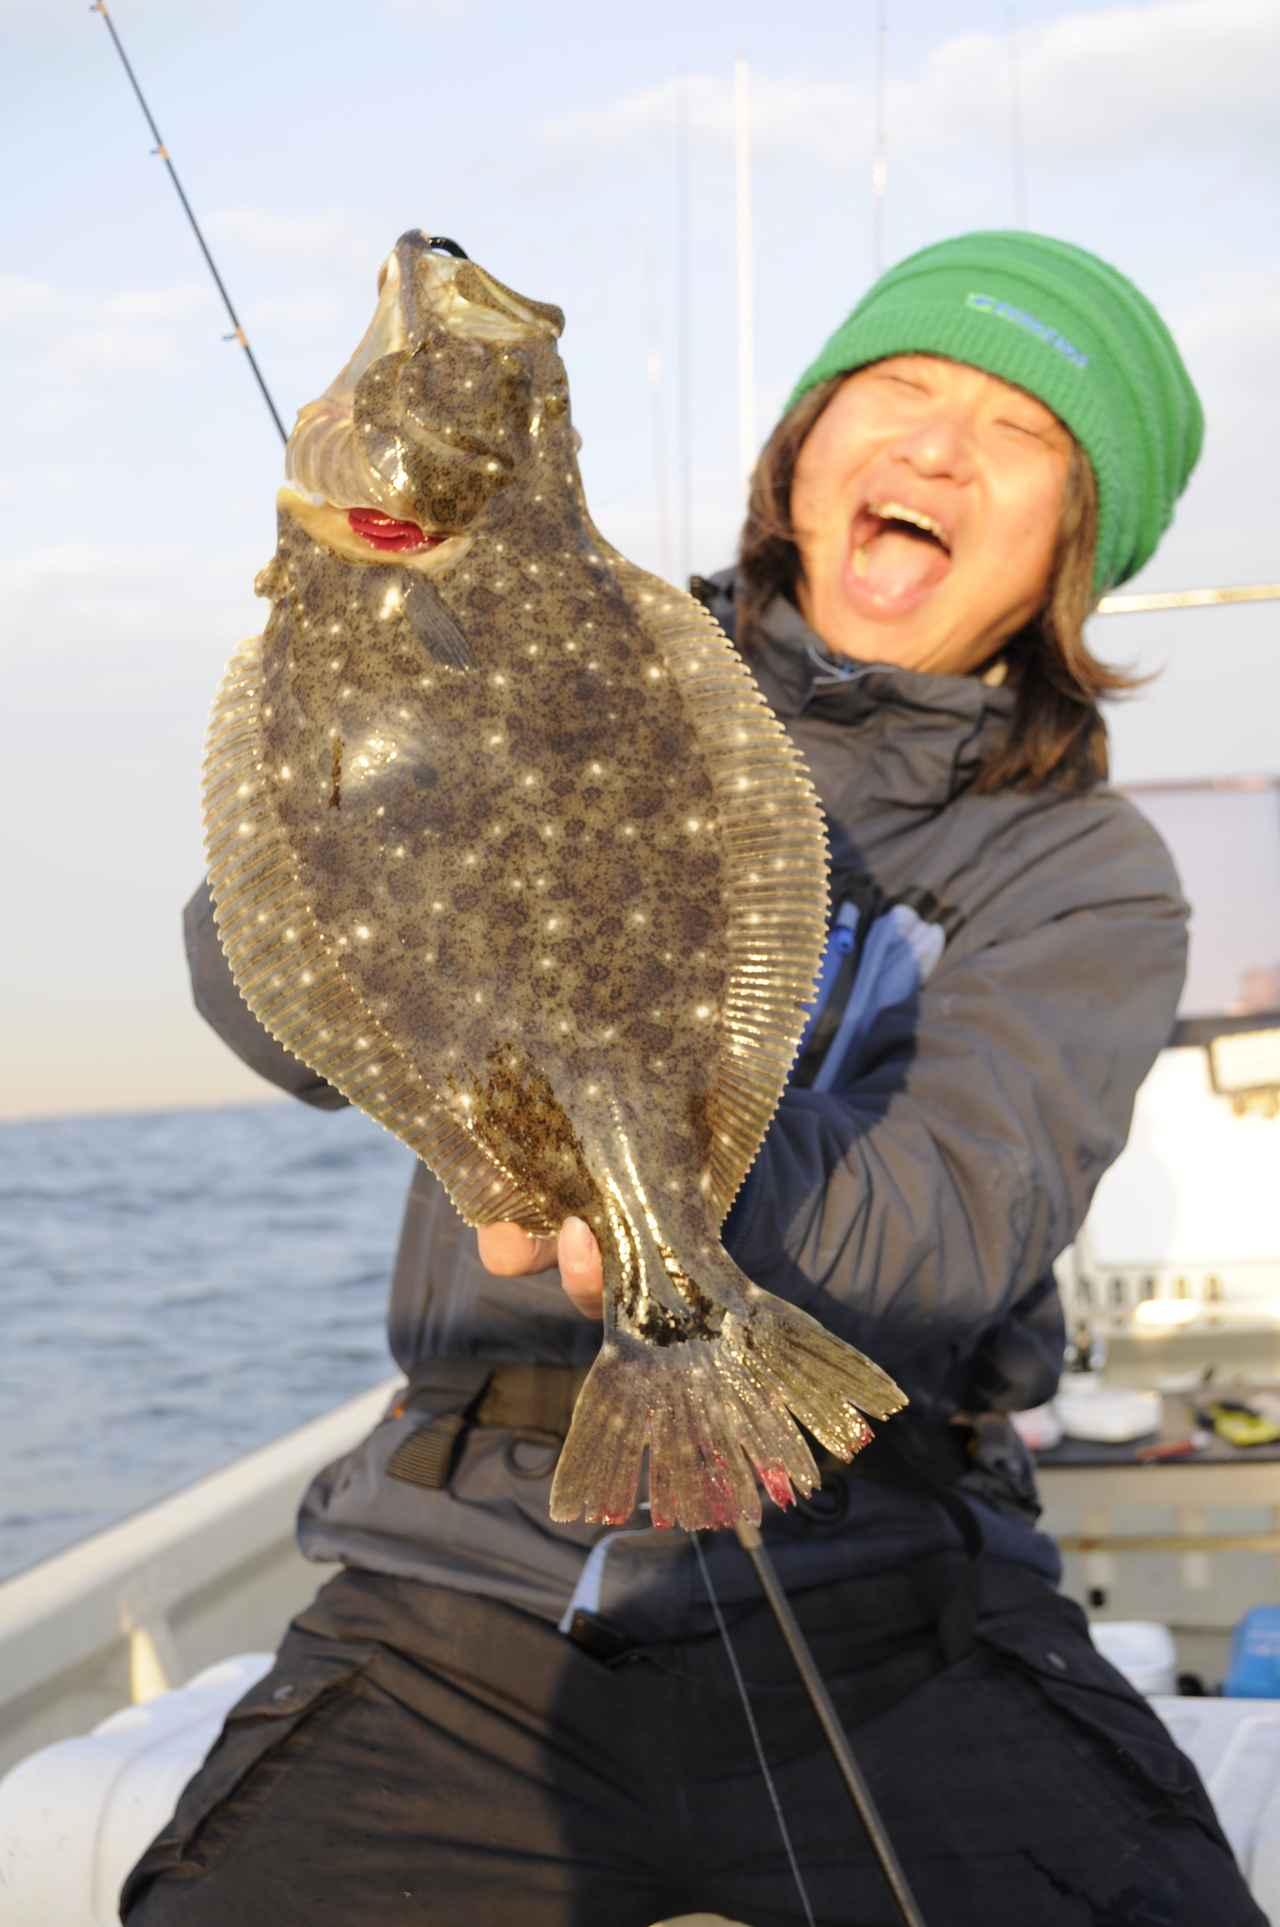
column 138, row 494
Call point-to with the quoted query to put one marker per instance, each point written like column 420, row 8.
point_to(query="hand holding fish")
column 505, row 842
column 509, row 1251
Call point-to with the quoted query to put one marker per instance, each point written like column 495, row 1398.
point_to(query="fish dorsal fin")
column 775, row 848
column 292, row 978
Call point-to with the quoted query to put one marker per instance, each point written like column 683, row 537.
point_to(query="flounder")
column 507, row 845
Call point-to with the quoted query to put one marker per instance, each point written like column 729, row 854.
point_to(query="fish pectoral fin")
column 716, row 1414
column 434, row 626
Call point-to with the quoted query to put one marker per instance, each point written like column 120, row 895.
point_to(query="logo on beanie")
column 988, row 304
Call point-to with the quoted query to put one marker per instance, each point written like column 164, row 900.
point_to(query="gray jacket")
column 1001, row 974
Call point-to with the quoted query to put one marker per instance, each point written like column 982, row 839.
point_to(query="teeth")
column 899, row 512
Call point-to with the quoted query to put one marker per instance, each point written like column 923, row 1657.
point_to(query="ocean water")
column 177, row 1288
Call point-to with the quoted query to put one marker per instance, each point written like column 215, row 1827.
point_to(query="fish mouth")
column 391, row 535
column 327, row 460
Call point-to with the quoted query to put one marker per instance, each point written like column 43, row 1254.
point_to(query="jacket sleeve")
column 222, row 1007
column 916, row 1206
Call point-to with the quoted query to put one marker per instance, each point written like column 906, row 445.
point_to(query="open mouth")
column 387, row 533
column 899, row 554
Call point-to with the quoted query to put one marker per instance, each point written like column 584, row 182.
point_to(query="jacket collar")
column 951, row 721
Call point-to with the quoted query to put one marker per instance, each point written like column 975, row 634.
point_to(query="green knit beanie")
column 1060, row 323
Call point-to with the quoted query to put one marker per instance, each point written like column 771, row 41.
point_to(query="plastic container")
column 1106, row 1414
column 1141, row 1649
column 1254, row 1671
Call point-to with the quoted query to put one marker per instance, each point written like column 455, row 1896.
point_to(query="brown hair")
column 1056, row 733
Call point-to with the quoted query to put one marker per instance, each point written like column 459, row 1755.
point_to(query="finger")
column 509, row 1251
column 581, row 1267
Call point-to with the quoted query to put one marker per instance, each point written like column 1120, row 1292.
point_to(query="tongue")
column 896, row 564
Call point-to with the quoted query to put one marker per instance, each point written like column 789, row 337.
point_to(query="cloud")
column 1183, row 71
column 798, row 112
column 1120, row 76
column 101, row 563
column 1241, row 312
column 267, row 231
column 162, row 304
column 306, row 314
column 57, row 333
column 24, row 299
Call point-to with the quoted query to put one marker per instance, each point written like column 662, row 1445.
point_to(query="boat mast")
column 684, row 438
column 746, row 291
column 1018, row 150
column 656, row 371
column 879, row 157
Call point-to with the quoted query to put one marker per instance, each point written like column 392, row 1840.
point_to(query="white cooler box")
column 76, row 1816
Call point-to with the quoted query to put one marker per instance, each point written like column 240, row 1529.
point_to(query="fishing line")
column 238, row 334
column 860, row 1793
column 756, row 1741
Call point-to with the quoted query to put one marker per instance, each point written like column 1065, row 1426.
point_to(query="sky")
column 138, row 495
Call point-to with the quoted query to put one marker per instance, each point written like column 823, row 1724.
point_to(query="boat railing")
column 144, row 1605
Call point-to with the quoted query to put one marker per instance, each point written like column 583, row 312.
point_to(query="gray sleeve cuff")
column 224, row 1009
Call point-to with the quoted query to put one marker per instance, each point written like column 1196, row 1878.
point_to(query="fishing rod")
column 237, row 331
column 815, row 1686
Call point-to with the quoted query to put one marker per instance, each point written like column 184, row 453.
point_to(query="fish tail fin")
column 716, row 1413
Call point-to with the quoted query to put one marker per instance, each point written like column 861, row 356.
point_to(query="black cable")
column 99, row 6
column 860, row 1792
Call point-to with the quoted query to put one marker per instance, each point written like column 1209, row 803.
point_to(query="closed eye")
column 1022, row 428
column 904, row 381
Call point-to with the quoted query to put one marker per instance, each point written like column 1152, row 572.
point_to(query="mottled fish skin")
column 505, row 843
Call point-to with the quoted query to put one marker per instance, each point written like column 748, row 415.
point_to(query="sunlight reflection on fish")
column 506, row 844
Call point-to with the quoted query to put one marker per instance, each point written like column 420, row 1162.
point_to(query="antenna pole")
column 657, row 408
column 684, row 542
column 238, row 333
column 1015, row 118
column 880, row 158
column 746, row 299
column 829, row 1719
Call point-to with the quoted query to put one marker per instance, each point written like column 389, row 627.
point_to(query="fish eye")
column 441, row 244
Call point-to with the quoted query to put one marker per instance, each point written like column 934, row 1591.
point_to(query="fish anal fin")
column 775, row 878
